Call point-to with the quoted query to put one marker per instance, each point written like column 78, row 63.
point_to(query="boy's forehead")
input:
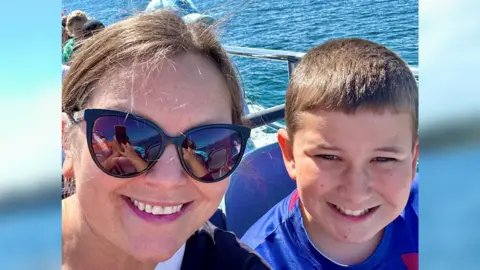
column 322, row 117
column 387, row 127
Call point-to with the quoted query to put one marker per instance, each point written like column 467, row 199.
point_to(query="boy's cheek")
column 310, row 180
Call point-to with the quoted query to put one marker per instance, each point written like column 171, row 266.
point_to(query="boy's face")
column 353, row 171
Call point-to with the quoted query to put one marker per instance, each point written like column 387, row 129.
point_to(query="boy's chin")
column 359, row 237
column 349, row 230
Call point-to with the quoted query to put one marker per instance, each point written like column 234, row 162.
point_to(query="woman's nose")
column 168, row 171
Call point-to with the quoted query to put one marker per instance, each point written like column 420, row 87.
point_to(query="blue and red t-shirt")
column 280, row 238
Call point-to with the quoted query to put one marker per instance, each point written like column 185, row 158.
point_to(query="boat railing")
column 271, row 116
column 292, row 58
column 268, row 117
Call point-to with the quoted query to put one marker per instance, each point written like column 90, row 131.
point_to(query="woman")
column 152, row 82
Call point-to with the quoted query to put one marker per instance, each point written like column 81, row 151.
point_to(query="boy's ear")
column 67, row 166
column 287, row 152
column 416, row 150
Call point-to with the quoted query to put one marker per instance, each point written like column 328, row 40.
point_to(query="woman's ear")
column 65, row 123
column 67, row 166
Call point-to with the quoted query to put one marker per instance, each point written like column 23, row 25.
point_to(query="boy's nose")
column 355, row 186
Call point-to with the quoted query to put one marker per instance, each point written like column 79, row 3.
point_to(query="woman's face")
column 184, row 92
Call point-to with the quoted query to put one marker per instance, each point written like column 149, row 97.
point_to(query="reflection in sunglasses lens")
column 125, row 147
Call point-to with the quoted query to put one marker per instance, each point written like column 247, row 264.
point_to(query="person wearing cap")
column 65, row 35
column 90, row 28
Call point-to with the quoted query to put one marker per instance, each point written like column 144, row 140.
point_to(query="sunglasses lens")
column 124, row 146
column 211, row 154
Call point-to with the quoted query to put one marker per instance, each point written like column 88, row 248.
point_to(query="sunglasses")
column 125, row 145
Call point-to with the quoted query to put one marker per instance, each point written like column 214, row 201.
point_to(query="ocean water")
column 285, row 25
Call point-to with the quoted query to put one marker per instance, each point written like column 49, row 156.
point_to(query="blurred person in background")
column 65, row 35
column 89, row 29
column 74, row 25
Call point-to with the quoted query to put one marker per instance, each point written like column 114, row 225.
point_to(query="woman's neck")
column 82, row 248
column 339, row 252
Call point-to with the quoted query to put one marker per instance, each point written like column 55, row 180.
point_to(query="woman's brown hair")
column 145, row 39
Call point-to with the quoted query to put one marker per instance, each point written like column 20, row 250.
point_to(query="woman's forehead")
column 167, row 81
column 187, row 87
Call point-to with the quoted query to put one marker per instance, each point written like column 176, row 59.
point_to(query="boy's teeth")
column 157, row 210
column 349, row 212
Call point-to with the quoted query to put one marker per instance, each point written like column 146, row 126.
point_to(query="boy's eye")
column 384, row 159
column 328, row 157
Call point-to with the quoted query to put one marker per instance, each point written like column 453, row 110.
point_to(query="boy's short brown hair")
column 350, row 74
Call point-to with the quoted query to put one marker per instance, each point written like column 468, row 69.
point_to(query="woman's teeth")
column 156, row 210
column 354, row 213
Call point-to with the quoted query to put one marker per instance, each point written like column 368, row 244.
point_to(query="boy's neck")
column 84, row 249
column 337, row 251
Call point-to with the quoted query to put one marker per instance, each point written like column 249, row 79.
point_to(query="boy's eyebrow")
column 391, row 149
column 326, row 146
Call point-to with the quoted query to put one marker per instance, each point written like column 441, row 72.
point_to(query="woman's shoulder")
column 218, row 249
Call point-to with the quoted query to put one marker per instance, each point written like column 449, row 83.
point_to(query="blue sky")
column 448, row 43
column 30, row 87
column 29, row 46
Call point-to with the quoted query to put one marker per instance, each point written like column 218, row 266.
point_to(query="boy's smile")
column 354, row 215
column 353, row 171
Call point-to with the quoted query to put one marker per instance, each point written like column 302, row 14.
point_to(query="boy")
column 351, row 145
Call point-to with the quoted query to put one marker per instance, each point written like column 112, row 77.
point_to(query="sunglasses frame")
column 91, row 115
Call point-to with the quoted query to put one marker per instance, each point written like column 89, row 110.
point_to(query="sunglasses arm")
column 78, row 116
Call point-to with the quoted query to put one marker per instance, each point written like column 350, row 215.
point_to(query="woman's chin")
column 154, row 252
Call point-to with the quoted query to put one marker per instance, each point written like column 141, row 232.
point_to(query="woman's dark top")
column 211, row 248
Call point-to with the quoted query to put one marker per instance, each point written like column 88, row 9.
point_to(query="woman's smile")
column 161, row 212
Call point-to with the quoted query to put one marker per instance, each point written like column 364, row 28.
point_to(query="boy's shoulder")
column 410, row 214
column 413, row 199
column 270, row 222
column 406, row 225
column 403, row 241
column 274, row 236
